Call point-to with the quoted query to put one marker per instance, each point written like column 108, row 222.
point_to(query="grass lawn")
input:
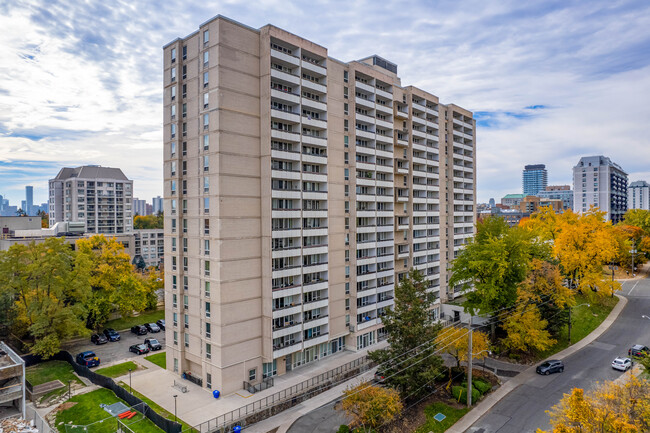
column 584, row 320
column 159, row 359
column 118, row 369
column 126, row 322
column 87, row 411
column 452, row 415
column 49, row 371
column 162, row 412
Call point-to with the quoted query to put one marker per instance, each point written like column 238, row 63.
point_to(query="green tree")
column 49, row 285
column 411, row 333
column 494, row 263
column 148, row 221
column 114, row 282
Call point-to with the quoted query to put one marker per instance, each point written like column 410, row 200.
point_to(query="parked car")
column 139, row 330
column 152, row 344
column 152, row 327
column 622, row 364
column 88, row 359
column 379, row 377
column 550, row 366
column 161, row 324
column 139, row 349
column 638, row 350
column 112, row 334
column 98, row 339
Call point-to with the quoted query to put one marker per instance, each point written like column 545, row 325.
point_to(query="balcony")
column 285, row 76
column 307, row 84
column 292, row 60
column 361, row 102
column 285, row 115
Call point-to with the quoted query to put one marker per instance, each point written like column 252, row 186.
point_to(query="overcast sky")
column 549, row 81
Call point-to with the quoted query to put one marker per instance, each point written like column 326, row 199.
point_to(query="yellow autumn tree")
column 622, row 407
column 370, row 406
column 455, row 341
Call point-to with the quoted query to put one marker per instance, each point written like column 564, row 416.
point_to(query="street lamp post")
column 633, row 252
column 130, row 387
column 570, row 308
column 646, row 317
column 175, row 418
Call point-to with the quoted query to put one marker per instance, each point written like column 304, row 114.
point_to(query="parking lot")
column 112, row 352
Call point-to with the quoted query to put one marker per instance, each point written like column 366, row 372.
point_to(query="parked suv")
column 88, row 359
column 622, row 364
column 152, row 327
column 550, row 366
column 152, row 344
column 112, row 334
column 161, row 323
column 139, row 330
column 98, row 339
column 638, row 350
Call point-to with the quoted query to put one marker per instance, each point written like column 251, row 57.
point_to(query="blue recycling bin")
column 215, row 393
column 236, row 429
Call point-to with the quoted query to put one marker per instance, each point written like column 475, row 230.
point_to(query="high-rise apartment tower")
column 534, row 179
column 98, row 196
column 599, row 182
column 638, row 195
column 298, row 191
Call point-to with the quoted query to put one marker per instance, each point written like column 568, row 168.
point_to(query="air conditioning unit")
column 351, row 328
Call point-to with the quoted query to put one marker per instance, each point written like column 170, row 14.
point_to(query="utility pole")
column 569, row 325
column 470, row 355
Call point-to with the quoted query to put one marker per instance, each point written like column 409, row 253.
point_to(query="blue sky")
column 549, row 81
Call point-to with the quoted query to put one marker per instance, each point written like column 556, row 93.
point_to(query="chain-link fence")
column 39, row 422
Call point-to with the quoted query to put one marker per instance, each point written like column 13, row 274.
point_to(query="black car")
column 98, row 339
column 152, row 344
column 139, row 330
column 139, row 349
column 161, row 324
column 550, row 366
column 112, row 334
column 152, row 327
column 638, row 350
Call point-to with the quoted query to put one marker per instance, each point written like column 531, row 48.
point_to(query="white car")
column 622, row 364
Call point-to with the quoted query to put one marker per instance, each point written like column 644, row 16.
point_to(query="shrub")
column 343, row 429
column 481, row 386
column 460, row 394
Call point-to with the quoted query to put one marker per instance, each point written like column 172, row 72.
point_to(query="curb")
column 491, row 400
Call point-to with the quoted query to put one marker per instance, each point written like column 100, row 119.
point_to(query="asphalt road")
column 118, row 350
column 523, row 410
column 325, row 419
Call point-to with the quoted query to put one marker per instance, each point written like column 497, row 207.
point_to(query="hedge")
column 460, row 394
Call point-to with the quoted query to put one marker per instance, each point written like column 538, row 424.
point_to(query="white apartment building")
column 599, row 182
column 150, row 244
column 298, row 190
column 638, row 195
column 98, row 196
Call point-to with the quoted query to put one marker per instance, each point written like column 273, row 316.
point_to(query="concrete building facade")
column 559, row 192
column 150, row 244
column 298, row 191
column 534, row 179
column 638, row 195
column 599, row 182
column 100, row 197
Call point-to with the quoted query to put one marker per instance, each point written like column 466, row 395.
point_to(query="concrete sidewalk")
column 492, row 399
column 197, row 405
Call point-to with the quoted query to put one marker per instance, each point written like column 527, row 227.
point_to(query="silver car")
column 622, row 364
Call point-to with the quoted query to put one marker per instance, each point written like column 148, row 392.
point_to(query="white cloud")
column 81, row 82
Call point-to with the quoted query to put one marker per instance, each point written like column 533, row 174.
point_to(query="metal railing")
column 284, row 399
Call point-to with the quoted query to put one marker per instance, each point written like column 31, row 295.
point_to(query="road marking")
column 633, row 287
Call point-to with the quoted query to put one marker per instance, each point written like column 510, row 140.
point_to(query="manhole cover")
column 439, row 417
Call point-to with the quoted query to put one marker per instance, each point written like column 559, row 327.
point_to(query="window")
column 184, row 72
column 206, row 142
column 206, row 268
column 208, row 330
column 184, row 129
column 184, row 245
column 205, row 79
column 347, row 272
column 206, row 184
column 206, row 226
column 208, row 350
column 206, row 247
column 187, row 340
column 207, row 309
column 173, row 147
column 206, row 36
column 269, row 369
column 251, row 374
column 173, row 130
column 173, row 187
column 206, row 59
column 346, row 173
column 186, row 320
column 175, row 318
column 345, row 92
column 185, row 52
column 175, row 339
column 173, row 55
column 173, row 74
column 173, row 112
column 173, row 244
column 345, row 76
column 206, row 121
column 175, row 365
column 184, row 110
column 184, row 91
column 206, row 204
column 206, row 163
column 208, row 380
column 347, row 288
column 173, row 276
column 345, row 108
column 173, row 202
column 347, row 304
column 346, row 140
column 206, row 100
column 173, row 92
column 185, row 302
